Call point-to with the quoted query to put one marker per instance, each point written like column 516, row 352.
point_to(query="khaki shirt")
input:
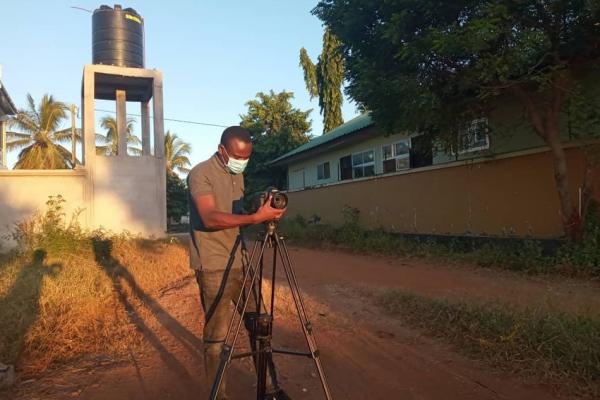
column 215, row 250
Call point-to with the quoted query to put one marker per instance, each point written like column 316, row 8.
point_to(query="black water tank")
column 117, row 37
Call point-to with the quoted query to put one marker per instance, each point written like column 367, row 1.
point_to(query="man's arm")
column 214, row 219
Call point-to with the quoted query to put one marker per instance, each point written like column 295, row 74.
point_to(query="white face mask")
column 234, row 165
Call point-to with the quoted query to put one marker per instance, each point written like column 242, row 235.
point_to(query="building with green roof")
column 498, row 181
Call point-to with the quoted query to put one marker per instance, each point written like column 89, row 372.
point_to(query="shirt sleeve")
column 199, row 184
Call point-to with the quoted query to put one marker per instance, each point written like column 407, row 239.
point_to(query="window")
column 323, row 171
column 421, row 151
column 396, row 156
column 345, row 168
column 363, row 164
column 474, row 137
column 297, row 180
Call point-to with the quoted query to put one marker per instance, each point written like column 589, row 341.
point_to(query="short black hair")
column 235, row 132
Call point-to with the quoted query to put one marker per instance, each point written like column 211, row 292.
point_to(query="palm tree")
column 39, row 139
column 176, row 152
column 110, row 141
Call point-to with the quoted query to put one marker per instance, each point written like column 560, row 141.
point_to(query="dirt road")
column 366, row 355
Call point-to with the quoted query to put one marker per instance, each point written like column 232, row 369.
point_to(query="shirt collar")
column 219, row 163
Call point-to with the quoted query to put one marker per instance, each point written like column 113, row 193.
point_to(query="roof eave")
column 6, row 103
column 348, row 139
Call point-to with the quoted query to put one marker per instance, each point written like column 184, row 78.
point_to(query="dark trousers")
column 219, row 292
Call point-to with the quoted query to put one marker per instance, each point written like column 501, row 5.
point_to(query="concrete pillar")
column 88, row 117
column 88, row 132
column 3, row 161
column 157, row 106
column 145, row 128
column 159, row 147
column 121, row 122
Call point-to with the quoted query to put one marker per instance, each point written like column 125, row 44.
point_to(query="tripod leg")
column 227, row 351
column 301, row 310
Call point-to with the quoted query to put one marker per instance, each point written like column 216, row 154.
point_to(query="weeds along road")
column 366, row 353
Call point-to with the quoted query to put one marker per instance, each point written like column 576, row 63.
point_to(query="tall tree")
column 176, row 154
column 325, row 80
column 39, row 137
column 431, row 66
column 276, row 128
column 177, row 201
column 110, row 140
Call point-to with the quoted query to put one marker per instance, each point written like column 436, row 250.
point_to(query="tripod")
column 261, row 322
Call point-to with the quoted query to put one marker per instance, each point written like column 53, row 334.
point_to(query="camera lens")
column 279, row 201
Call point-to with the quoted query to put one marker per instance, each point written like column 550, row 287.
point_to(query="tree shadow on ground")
column 20, row 307
column 121, row 278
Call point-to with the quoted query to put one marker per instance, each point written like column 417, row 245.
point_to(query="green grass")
column 559, row 347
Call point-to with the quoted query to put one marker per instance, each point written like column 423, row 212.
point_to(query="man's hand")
column 268, row 213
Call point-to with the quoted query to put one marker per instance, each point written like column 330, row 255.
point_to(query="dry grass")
column 57, row 306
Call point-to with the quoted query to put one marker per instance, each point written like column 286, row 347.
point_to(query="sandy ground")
column 366, row 355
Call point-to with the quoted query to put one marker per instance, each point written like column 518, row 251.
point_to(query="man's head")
column 235, row 148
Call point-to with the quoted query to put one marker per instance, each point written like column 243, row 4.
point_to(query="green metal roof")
column 354, row 125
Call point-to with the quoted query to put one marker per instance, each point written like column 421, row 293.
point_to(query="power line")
column 171, row 119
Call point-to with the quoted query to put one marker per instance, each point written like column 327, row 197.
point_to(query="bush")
column 51, row 230
column 585, row 256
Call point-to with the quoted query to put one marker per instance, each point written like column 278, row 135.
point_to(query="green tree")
column 176, row 154
column 432, row 66
column 110, row 141
column 276, row 128
column 177, row 202
column 325, row 80
column 39, row 137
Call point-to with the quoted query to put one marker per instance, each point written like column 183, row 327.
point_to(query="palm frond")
column 51, row 112
column 64, row 135
column 14, row 135
column 24, row 121
column 17, row 144
column 33, row 110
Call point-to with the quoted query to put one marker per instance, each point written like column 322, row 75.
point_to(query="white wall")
column 310, row 165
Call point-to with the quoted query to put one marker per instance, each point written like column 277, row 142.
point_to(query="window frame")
column 328, row 171
column 486, row 146
column 395, row 156
column 363, row 164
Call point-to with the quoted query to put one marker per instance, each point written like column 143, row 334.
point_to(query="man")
column 216, row 191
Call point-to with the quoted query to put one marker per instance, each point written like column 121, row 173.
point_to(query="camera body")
column 279, row 200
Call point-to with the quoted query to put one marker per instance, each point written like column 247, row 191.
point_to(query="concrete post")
column 145, row 128
column 157, row 105
column 121, row 122
column 159, row 147
column 88, row 117
column 3, row 161
column 88, row 132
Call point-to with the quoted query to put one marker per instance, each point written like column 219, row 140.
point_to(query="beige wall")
column 128, row 195
column 24, row 192
column 509, row 196
column 121, row 194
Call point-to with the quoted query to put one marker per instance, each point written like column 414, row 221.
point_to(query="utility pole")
column 73, row 135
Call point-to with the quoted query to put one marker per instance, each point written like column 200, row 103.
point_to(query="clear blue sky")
column 214, row 56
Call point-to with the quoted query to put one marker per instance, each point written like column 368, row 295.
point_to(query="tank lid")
column 117, row 7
